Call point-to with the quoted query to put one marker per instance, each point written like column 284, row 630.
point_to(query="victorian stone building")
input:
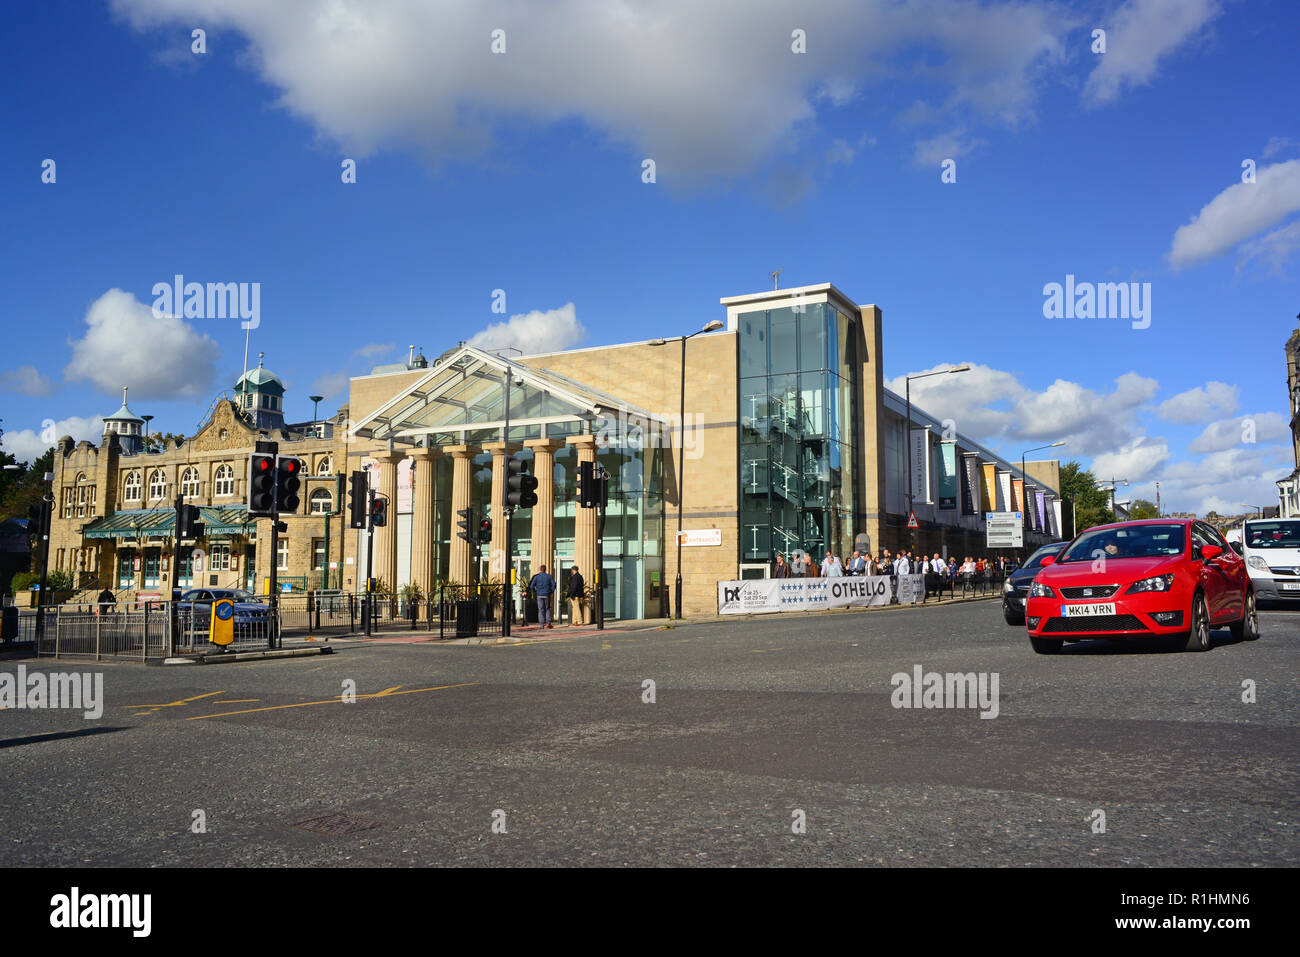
column 115, row 503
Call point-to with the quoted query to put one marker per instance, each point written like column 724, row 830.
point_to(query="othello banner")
column 947, row 475
column 758, row 595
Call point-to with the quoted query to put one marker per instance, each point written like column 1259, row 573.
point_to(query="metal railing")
column 142, row 630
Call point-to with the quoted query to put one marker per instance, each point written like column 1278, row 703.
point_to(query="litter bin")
column 9, row 624
column 466, row 619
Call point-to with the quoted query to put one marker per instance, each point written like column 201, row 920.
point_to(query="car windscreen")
column 1284, row 533
column 237, row 594
column 1036, row 559
column 1127, row 541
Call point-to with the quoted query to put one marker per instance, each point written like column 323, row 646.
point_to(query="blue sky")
column 522, row 171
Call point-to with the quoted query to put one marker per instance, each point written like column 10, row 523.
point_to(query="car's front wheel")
column 1045, row 646
column 1198, row 639
column 1248, row 628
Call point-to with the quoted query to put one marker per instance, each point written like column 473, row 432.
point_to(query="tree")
column 20, row 490
column 162, row 440
column 1143, row 508
column 1091, row 504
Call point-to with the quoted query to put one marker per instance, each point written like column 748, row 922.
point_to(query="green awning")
column 161, row 522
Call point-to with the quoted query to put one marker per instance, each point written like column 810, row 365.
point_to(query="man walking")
column 542, row 586
column 577, row 597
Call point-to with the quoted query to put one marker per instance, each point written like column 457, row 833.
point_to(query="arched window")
column 224, row 481
column 190, row 483
column 321, row 502
column 132, row 487
column 157, row 484
column 326, row 466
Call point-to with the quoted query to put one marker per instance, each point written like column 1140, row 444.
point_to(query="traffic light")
column 357, row 499
column 288, row 479
column 587, row 484
column 485, row 530
column 466, row 516
column 521, row 488
column 188, row 524
column 261, row 483
column 379, row 512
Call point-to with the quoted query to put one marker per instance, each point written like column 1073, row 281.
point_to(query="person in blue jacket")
column 542, row 586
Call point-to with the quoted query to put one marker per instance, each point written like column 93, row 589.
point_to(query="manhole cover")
column 332, row 824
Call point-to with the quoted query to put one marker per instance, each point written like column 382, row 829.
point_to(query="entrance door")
column 152, row 567
column 611, row 584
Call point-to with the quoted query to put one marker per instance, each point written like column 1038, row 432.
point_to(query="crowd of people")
column 803, row 565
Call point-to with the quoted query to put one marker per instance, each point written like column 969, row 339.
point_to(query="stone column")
column 462, row 553
column 585, row 520
column 543, row 533
column 423, row 461
column 386, row 535
column 497, row 549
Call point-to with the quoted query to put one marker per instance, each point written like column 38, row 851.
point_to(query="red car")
column 1159, row 577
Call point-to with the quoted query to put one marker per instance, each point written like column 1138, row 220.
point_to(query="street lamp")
column 315, row 400
column 907, row 433
column 1024, row 503
column 711, row 326
column 1114, row 483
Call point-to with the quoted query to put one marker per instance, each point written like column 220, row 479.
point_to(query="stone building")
column 115, row 503
column 1288, row 489
column 789, row 441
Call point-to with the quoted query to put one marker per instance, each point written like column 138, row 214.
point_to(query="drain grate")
column 334, row 824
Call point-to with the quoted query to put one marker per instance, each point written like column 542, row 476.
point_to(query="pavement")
column 709, row 743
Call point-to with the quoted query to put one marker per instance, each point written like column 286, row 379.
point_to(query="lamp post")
column 711, row 326
column 43, row 529
column 1114, row 483
column 1024, row 495
column 315, row 401
column 907, row 434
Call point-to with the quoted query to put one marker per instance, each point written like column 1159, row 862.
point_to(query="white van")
column 1271, row 547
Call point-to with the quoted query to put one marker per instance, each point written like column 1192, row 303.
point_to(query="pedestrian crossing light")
column 379, row 512
column 521, row 488
column 485, row 531
column 261, row 483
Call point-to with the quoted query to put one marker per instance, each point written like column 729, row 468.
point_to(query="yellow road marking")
column 175, row 704
column 304, row 704
column 238, row 701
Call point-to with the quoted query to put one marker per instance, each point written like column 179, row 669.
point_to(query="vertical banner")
column 1004, row 492
column 989, row 492
column 1018, row 495
column 921, row 466
column 1054, row 516
column 970, row 493
column 947, row 475
column 1040, row 495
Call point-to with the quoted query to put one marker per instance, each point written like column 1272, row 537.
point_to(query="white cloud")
column 127, row 345
column 1273, row 251
column 27, row 445
column 551, row 331
column 1135, row 461
column 1225, row 481
column 708, row 90
column 25, row 380
column 950, row 145
column 1199, row 404
column 1218, row 436
column 1138, row 36
column 1238, row 213
column 1278, row 144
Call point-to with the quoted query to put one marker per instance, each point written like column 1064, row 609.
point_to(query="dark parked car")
column 252, row 617
column 1016, row 588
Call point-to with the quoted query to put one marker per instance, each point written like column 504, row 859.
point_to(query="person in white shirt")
column 831, row 567
column 904, row 567
column 937, row 565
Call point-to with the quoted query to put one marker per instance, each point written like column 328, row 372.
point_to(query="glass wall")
column 798, row 431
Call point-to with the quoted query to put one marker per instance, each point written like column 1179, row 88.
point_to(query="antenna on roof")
column 776, row 278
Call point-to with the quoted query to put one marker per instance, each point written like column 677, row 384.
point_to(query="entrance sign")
column 700, row 536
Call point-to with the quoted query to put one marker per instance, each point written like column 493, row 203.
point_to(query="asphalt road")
column 752, row 722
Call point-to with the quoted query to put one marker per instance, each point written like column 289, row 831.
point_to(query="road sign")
column 911, row 520
column 1004, row 529
column 222, row 629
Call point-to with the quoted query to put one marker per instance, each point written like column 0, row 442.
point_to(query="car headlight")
column 1007, row 586
column 1254, row 561
column 1039, row 590
column 1158, row 583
